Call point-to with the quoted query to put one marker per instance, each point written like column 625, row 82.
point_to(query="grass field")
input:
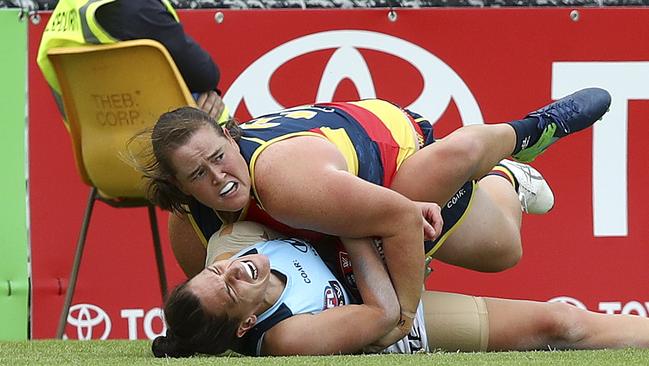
column 134, row 353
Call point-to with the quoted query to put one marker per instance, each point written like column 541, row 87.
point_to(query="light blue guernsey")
column 310, row 286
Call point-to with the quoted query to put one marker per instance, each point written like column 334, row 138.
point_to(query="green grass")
column 134, row 353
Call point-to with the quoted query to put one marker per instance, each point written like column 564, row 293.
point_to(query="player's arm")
column 314, row 191
column 344, row 329
column 129, row 19
column 186, row 245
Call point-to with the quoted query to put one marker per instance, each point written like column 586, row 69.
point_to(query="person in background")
column 83, row 22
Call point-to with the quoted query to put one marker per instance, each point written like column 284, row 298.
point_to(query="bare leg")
column 488, row 239
column 435, row 172
column 526, row 325
column 456, row 322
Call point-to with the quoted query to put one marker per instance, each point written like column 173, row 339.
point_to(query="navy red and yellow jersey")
column 374, row 136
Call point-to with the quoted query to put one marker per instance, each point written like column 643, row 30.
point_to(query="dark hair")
column 153, row 157
column 191, row 329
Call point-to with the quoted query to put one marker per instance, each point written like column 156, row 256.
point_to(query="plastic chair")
column 109, row 93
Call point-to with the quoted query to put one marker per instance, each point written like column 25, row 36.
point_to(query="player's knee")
column 511, row 256
column 563, row 325
column 511, row 247
column 464, row 150
column 503, row 255
column 506, row 261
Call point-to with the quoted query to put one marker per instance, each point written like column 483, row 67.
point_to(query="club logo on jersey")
column 333, row 295
column 300, row 245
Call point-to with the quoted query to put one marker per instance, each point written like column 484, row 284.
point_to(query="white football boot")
column 533, row 191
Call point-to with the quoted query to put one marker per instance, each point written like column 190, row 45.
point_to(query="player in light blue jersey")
column 278, row 297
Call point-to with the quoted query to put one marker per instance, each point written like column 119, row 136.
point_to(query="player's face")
column 210, row 168
column 235, row 287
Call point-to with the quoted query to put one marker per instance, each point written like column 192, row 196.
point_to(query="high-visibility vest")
column 72, row 24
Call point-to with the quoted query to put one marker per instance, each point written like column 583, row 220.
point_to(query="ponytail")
column 191, row 329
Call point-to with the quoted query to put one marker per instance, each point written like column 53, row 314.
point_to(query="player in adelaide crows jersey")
column 359, row 170
column 374, row 137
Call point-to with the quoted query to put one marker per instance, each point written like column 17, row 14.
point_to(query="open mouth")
column 228, row 188
column 251, row 269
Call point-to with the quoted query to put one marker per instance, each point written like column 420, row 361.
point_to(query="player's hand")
column 432, row 216
column 211, row 103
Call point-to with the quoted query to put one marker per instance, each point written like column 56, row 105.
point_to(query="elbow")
column 393, row 317
column 388, row 315
column 385, row 313
column 406, row 218
column 409, row 226
column 384, row 323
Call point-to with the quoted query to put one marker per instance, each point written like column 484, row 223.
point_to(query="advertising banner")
column 14, row 281
column 454, row 66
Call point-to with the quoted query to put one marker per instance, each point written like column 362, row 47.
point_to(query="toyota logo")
column 568, row 300
column 88, row 319
column 441, row 84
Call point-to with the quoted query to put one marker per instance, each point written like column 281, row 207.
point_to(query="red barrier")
column 451, row 65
